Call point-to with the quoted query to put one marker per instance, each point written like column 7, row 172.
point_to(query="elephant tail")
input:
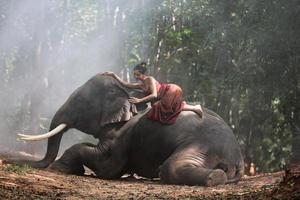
column 238, row 173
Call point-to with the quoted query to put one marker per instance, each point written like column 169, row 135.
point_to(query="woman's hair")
column 141, row 67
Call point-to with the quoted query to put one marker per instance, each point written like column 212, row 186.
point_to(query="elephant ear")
column 136, row 108
column 115, row 107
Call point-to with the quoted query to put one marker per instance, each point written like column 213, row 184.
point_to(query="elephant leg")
column 72, row 160
column 104, row 164
column 187, row 167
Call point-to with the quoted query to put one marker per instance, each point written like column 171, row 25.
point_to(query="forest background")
column 240, row 58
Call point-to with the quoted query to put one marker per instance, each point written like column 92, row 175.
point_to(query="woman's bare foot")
column 198, row 110
column 195, row 108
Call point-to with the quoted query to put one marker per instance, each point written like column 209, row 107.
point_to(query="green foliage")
column 20, row 170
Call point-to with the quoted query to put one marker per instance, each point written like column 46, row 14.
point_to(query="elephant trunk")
column 52, row 146
column 59, row 125
column 52, row 150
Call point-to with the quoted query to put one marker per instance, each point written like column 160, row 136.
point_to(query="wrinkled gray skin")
column 193, row 151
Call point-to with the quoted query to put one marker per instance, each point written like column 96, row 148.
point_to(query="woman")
column 169, row 96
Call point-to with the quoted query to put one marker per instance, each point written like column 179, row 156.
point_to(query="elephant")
column 193, row 151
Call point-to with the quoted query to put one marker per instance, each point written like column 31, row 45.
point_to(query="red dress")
column 169, row 104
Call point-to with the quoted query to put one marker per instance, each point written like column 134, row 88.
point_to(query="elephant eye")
column 112, row 91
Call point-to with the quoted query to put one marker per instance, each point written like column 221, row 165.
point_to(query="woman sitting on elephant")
column 169, row 96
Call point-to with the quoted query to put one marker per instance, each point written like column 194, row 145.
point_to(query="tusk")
column 43, row 136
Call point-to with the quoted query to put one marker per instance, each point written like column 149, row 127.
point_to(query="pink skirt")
column 169, row 105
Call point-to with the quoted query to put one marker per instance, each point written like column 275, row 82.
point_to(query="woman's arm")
column 150, row 83
column 124, row 83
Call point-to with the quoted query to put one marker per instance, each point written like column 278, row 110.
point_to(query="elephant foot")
column 66, row 169
column 216, row 177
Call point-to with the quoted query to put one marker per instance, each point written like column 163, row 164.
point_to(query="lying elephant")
column 193, row 151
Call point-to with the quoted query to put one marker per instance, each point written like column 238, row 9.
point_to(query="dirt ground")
column 28, row 183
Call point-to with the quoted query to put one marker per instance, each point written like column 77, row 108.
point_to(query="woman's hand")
column 109, row 74
column 134, row 100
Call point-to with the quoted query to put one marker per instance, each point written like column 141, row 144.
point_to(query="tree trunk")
column 295, row 119
column 295, row 159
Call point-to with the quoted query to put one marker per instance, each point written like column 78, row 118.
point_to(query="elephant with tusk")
column 193, row 151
